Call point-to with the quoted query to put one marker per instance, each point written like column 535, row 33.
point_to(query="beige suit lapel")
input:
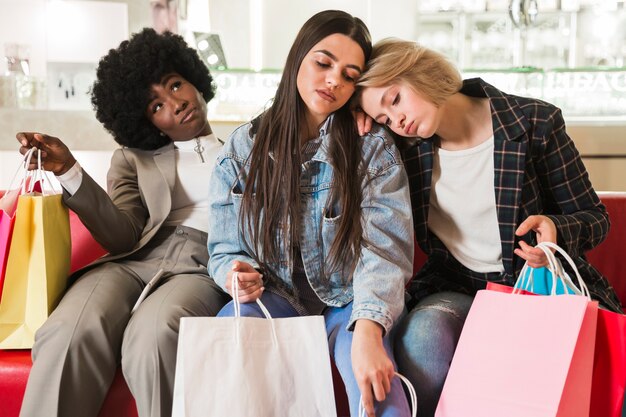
column 159, row 186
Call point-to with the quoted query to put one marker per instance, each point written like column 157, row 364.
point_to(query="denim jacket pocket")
column 330, row 225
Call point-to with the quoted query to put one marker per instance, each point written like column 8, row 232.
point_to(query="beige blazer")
column 139, row 199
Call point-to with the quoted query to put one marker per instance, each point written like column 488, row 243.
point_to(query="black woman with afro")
column 151, row 94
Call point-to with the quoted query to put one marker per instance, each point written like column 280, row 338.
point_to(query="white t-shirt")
column 463, row 206
column 191, row 190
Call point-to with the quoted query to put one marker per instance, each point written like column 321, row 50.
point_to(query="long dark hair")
column 271, row 199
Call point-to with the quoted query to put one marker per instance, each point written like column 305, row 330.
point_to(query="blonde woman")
column 491, row 175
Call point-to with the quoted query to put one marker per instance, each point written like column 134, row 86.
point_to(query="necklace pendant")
column 199, row 149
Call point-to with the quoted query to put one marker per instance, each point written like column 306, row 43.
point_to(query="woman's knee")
column 437, row 314
column 432, row 328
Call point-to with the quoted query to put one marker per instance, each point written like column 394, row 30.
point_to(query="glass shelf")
column 588, row 93
column 581, row 93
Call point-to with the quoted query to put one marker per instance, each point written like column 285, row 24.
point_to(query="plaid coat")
column 537, row 171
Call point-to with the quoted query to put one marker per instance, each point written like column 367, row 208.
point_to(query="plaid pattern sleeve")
column 581, row 219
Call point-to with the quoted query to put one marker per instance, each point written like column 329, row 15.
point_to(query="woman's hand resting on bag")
column 545, row 230
column 55, row 156
column 250, row 282
column 371, row 365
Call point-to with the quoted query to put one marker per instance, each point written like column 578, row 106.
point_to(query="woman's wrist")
column 369, row 328
column 67, row 165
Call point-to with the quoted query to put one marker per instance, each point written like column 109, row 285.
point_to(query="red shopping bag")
column 85, row 249
column 609, row 367
column 522, row 356
column 609, row 363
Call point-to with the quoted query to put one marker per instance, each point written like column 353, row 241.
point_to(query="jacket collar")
column 509, row 122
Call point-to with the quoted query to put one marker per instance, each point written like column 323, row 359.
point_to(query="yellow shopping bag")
column 37, row 268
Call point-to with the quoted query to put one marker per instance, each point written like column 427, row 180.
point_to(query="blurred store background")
column 569, row 52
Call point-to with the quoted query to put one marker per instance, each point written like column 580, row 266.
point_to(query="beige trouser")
column 79, row 347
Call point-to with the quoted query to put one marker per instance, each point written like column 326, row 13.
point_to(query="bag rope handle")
column 237, row 306
column 22, row 167
column 557, row 270
column 412, row 396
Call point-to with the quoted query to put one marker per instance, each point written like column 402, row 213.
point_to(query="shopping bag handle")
column 558, row 274
column 237, row 304
column 23, row 166
column 412, row 397
column 546, row 246
column 39, row 176
column 557, row 270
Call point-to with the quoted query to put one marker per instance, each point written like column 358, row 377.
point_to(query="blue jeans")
column 425, row 340
column 340, row 344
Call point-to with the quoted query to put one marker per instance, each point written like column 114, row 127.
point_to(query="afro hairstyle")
column 120, row 94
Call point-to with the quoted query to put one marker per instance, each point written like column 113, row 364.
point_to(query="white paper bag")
column 245, row 367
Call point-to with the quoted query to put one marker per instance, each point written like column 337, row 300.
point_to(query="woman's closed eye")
column 396, row 100
column 351, row 76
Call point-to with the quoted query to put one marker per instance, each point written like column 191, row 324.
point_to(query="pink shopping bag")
column 8, row 202
column 522, row 356
column 609, row 363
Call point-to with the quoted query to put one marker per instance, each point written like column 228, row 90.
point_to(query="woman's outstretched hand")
column 372, row 367
column 55, row 156
column 249, row 279
column 545, row 230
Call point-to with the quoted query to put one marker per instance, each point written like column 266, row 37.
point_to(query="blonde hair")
column 396, row 61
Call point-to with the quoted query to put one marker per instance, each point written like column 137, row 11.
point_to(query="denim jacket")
column 385, row 265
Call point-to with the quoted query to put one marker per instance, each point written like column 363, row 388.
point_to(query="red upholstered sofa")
column 15, row 364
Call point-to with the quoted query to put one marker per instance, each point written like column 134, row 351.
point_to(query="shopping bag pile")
column 521, row 355
column 246, row 366
column 38, row 259
column 609, row 364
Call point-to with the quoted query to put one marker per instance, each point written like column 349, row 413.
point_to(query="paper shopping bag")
column 522, row 356
column 8, row 203
column 540, row 281
column 37, row 268
column 244, row 366
column 609, row 365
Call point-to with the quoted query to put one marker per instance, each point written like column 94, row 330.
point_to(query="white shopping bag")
column 253, row 367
